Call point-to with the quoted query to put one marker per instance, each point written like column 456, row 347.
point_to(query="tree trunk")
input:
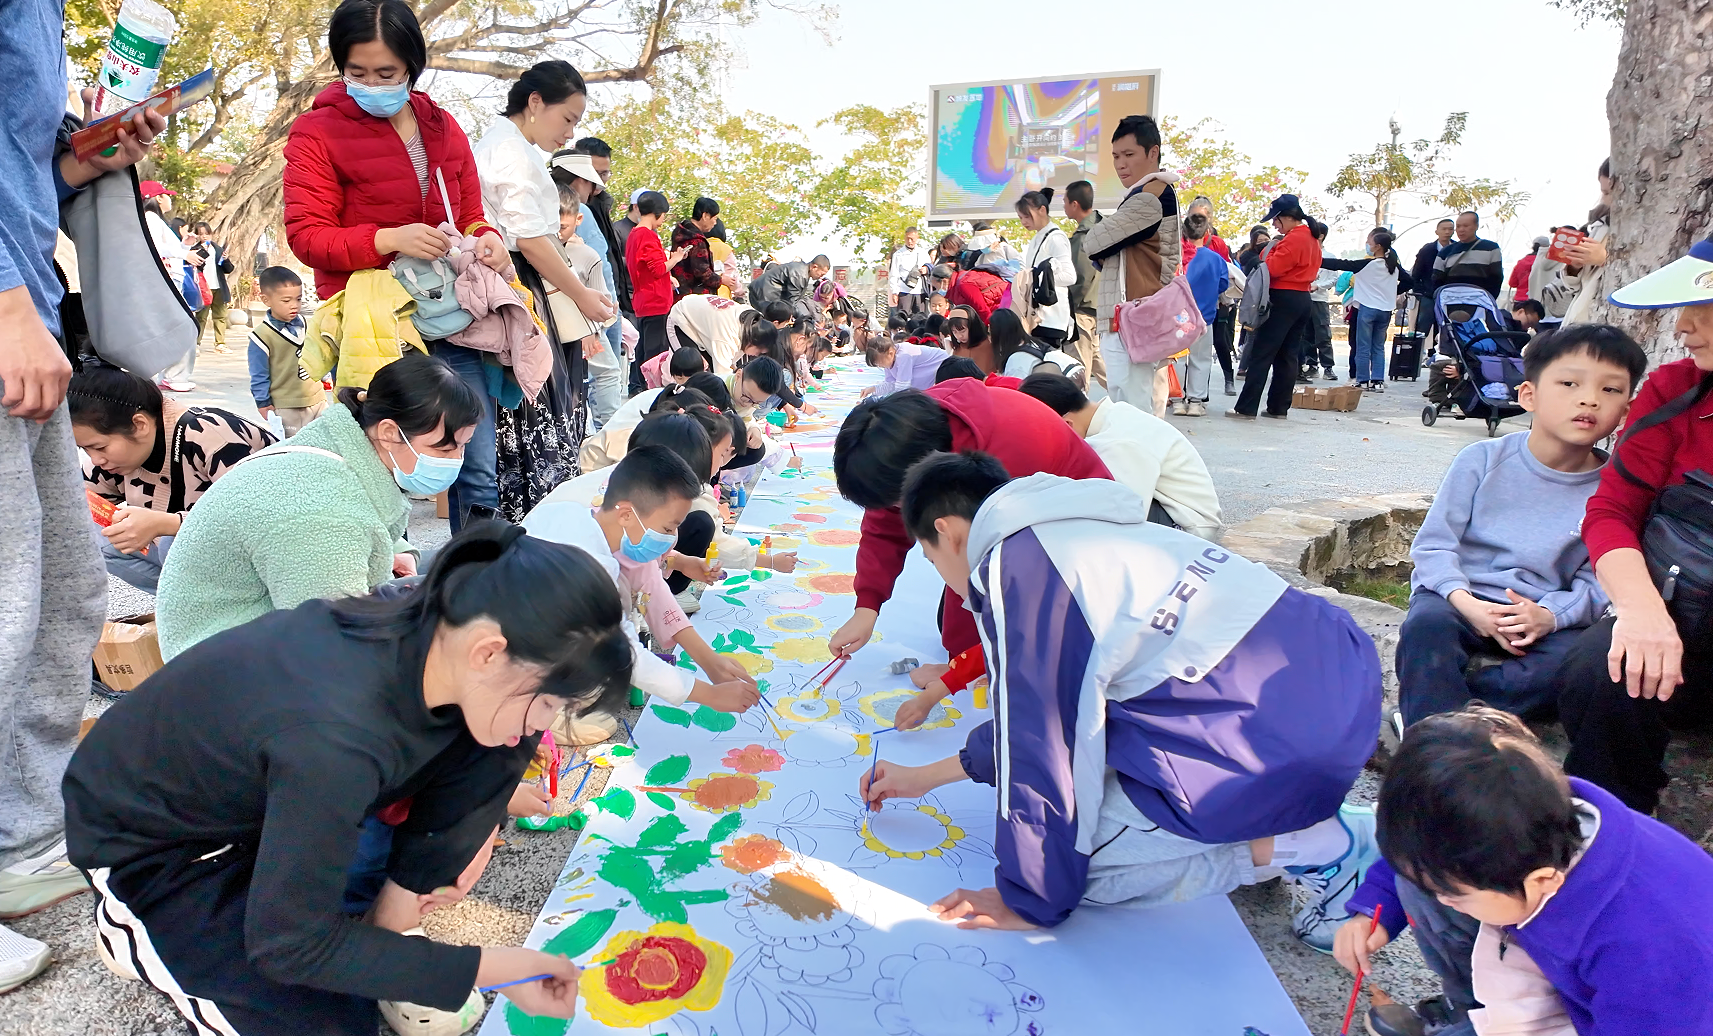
column 1663, row 161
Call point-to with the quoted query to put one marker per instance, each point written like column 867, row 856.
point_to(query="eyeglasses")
column 399, row 80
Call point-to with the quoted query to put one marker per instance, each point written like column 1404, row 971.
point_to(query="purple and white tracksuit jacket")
column 1229, row 705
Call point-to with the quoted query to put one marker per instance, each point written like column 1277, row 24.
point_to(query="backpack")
column 432, row 284
column 1257, row 290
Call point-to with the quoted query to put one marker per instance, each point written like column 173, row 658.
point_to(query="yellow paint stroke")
column 604, row 1007
column 754, row 664
column 954, row 835
column 802, row 649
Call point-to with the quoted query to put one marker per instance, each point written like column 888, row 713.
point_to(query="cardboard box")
column 128, row 653
column 1343, row 398
column 443, row 504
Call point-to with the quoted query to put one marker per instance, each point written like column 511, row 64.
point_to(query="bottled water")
column 135, row 51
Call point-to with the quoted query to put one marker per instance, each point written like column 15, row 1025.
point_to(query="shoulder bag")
column 1677, row 539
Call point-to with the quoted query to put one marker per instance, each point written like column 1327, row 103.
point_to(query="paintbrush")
column 1357, row 988
column 768, row 715
column 513, row 982
column 656, row 787
column 839, row 663
column 874, row 739
column 830, row 663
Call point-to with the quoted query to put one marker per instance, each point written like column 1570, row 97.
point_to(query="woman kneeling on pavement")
column 217, row 808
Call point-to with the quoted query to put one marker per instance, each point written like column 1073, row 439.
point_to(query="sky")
column 1306, row 93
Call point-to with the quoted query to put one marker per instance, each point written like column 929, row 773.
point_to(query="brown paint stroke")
column 798, row 896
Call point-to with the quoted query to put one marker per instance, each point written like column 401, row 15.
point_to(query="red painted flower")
column 754, row 759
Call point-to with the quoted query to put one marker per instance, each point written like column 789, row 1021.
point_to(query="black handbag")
column 1677, row 539
column 1043, row 291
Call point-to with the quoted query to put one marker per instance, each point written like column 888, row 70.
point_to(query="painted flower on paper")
column 789, row 599
column 910, row 832
column 824, row 744
column 883, row 706
column 753, row 759
column 724, row 792
column 654, row 975
column 829, row 582
column 802, row 649
column 806, row 707
column 937, row 991
column 805, row 932
column 793, row 623
column 755, row 665
column 835, row 537
column 753, row 853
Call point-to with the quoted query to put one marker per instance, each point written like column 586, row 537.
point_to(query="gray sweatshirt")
column 1502, row 519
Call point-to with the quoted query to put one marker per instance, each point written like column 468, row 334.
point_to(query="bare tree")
column 1662, row 154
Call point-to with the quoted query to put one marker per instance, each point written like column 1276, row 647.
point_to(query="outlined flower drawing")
column 824, row 744
column 753, row 853
column 653, row 975
column 882, row 706
column 957, row 992
column 753, row 759
column 793, row 622
column 725, row 792
column 911, row 829
column 806, row 933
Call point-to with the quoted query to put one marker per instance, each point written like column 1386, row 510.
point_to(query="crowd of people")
column 344, row 719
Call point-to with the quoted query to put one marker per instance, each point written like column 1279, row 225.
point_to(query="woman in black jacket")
column 218, row 808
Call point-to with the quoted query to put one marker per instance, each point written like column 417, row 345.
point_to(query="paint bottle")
column 765, row 558
column 135, row 51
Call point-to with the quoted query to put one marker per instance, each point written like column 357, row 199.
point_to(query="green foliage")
column 1588, row 11
column 866, row 194
column 1418, row 169
column 632, row 868
column 1208, row 164
column 675, row 716
column 663, row 801
column 686, row 145
column 582, row 935
column 715, row 720
column 619, row 802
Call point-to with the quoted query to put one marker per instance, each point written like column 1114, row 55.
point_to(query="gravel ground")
column 1381, row 448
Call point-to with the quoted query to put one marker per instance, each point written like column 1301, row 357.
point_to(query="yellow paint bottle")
column 978, row 695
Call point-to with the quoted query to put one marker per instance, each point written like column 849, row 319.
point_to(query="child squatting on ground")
column 1500, row 566
column 1194, row 729
column 1545, row 905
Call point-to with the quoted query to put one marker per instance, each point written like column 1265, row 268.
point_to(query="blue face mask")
column 383, row 102
column 653, row 546
column 433, row 475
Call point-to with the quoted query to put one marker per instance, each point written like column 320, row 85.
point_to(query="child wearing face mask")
column 648, row 496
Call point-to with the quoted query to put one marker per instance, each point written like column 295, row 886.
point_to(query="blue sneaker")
column 1331, row 885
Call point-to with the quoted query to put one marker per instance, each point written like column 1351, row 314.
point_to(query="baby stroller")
column 1473, row 334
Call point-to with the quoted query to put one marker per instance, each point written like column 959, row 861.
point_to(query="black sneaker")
column 1426, row 1018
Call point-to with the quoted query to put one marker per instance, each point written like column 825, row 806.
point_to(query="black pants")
column 1224, row 335
column 1434, row 647
column 1273, row 348
column 651, row 342
column 910, row 305
column 178, row 916
column 1319, row 334
column 694, row 535
column 1617, row 741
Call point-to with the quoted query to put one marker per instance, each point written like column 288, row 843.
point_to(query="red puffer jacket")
column 348, row 175
column 979, row 290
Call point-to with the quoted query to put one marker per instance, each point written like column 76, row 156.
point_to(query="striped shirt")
column 419, row 161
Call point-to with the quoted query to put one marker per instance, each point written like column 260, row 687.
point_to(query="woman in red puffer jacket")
column 360, row 187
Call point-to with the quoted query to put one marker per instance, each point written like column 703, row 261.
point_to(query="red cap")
column 154, row 189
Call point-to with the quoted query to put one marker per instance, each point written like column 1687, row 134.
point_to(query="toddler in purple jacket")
column 1508, row 870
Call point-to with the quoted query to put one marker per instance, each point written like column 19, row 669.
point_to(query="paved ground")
column 1380, row 448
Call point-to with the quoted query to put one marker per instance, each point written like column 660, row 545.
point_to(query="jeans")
column 1368, row 343
column 53, row 596
column 478, row 479
column 1198, row 367
column 1446, row 939
column 1617, row 741
column 607, row 378
column 1272, row 348
column 1435, row 644
column 142, row 571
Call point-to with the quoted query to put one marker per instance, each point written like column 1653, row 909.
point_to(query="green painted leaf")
column 724, row 827
column 619, row 802
column 628, row 871
column 662, row 831
column 763, row 576
column 741, row 577
column 582, row 935
column 729, row 599
column 714, row 719
column 670, row 770
column 663, row 801
column 520, row 1024
column 621, row 751
column 685, row 859
column 662, row 906
column 720, row 642
column 737, row 589
column 704, row 896
column 675, row 716
column 685, row 661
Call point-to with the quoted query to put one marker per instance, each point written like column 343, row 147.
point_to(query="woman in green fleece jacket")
column 322, row 514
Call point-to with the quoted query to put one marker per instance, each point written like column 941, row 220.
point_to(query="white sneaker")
column 1331, row 885
column 21, row 959
column 1196, row 408
column 688, row 601
column 1180, row 409
column 417, row 1020
column 39, row 882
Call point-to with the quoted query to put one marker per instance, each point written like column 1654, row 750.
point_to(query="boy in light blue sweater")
column 1500, row 566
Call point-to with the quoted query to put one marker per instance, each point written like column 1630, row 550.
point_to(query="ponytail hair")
column 418, row 392
column 1384, row 239
column 1032, row 200
column 556, row 81
column 555, row 605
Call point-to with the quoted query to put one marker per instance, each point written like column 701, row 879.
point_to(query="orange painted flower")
column 724, row 792
column 830, row 583
column 754, row 759
column 753, row 853
column 835, row 537
column 654, row 975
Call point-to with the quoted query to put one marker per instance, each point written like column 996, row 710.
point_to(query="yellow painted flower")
column 654, row 975
column 786, row 543
column 724, row 792
column 883, row 707
column 755, row 664
column 910, row 833
column 802, row 649
column 806, row 707
column 816, row 509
